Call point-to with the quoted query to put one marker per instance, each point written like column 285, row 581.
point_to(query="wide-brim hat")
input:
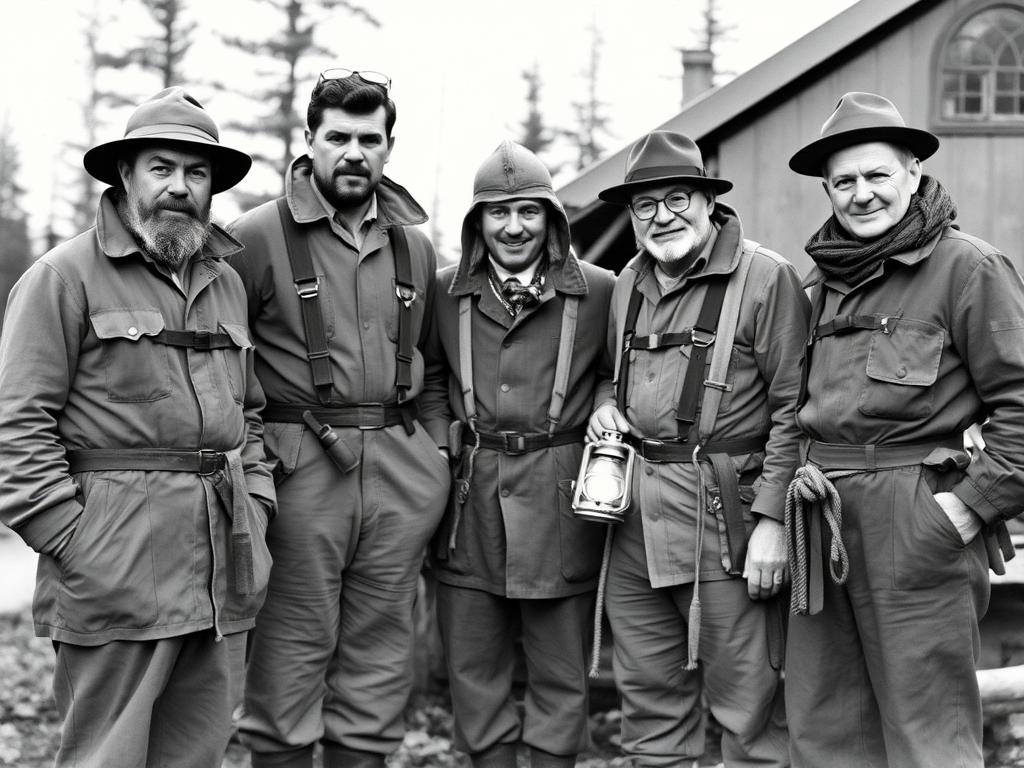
column 660, row 157
column 860, row 118
column 171, row 117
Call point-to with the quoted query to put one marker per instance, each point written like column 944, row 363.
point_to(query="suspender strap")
column 817, row 307
column 566, row 341
column 202, row 462
column 693, row 382
column 405, row 290
column 661, row 340
column 628, row 332
column 307, row 286
column 363, row 415
column 515, row 443
column 199, row 340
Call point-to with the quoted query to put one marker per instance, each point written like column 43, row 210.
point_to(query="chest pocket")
column 902, row 366
column 237, row 360
column 136, row 367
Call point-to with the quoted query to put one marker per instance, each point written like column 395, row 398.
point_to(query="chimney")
column 698, row 68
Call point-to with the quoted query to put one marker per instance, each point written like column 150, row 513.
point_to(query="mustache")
column 179, row 205
column 351, row 171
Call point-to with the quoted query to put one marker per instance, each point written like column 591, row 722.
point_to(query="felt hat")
column 860, row 118
column 170, row 117
column 660, row 157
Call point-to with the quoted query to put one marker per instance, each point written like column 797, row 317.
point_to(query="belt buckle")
column 701, row 338
column 210, row 461
column 515, row 442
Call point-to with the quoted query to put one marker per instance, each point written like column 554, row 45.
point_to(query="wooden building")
column 954, row 67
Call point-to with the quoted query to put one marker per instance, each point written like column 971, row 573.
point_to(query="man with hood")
column 341, row 287
column 917, row 333
column 131, row 456
column 509, row 556
column 703, row 552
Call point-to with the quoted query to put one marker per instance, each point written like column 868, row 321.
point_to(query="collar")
column 392, row 203
column 117, row 242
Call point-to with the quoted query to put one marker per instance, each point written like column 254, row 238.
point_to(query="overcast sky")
column 456, row 68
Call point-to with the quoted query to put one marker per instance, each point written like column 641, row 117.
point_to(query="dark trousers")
column 885, row 674
column 153, row 704
column 479, row 631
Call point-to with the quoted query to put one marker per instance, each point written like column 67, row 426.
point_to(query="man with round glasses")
column 340, row 288
column 695, row 567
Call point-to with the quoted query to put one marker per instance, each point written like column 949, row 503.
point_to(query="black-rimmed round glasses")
column 366, row 75
column 645, row 208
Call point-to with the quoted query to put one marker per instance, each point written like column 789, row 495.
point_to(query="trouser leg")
column 404, row 482
column 738, row 681
column 556, row 643
column 662, row 722
column 478, row 631
column 311, row 540
column 122, row 702
column 337, row 756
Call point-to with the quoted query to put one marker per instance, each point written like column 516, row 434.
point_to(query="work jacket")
column 153, row 553
column 516, row 534
column 950, row 354
column 762, row 379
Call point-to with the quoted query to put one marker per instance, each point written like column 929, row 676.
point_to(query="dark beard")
column 167, row 241
column 342, row 201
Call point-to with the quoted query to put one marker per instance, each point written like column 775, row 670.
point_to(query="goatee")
column 170, row 240
column 343, row 199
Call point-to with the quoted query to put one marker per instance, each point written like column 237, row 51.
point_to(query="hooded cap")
column 860, row 118
column 660, row 157
column 170, row 117
column 512, row 172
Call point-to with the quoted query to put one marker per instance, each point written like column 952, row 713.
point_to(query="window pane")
column 1004, row 105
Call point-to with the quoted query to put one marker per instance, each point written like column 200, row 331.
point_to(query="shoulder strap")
column 566, row 341
column 466, row 358
column 693, row 382
column 307, row 286
column 628, row 329
column 716, row 384
column 405, row 290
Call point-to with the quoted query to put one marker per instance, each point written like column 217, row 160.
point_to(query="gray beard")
column 170, row 242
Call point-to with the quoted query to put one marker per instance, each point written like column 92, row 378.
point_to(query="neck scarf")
column 513, row 295
column 840, row 256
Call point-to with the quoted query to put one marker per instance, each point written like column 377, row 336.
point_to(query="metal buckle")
column 405, row 294
column 515, row 442
column 701, row 338
column 210, row 461
column 308, row 289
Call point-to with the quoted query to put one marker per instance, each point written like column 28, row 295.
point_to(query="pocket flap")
column 238, row 333
column 908, row 355
column 130, row 324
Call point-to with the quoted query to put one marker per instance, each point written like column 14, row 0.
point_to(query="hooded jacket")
column 517, row 536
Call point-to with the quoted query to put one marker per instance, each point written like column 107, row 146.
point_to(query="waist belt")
column 658, row 451
column 363, row 415
column 202, row 462
column 881, row 456
column 514, row 443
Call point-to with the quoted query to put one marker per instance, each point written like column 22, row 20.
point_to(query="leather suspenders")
column 307, row 286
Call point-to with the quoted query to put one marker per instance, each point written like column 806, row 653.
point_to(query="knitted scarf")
column 840, row 256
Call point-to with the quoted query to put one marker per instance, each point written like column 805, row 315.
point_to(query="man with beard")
column 510, row 557
column 131, row 455
column 341, row 288
column 917, row 332
column 703, row 552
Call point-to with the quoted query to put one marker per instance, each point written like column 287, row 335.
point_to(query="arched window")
column 981, row 71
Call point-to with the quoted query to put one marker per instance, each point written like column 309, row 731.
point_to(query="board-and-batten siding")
column 984, row 174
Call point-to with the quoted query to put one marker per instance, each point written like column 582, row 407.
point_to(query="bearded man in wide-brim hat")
column 917, row 332
column 131, row 453
column 697, row 565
